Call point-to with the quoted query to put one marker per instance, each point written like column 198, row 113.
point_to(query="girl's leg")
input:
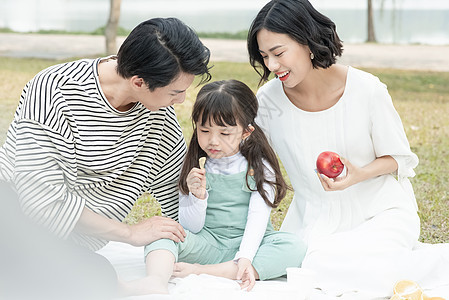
column 159, row 269
column 204, row 254
column 277, row 252
column 227, row 270
column 159, row 266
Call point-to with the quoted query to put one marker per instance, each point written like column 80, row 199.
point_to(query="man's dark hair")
column 159, row 49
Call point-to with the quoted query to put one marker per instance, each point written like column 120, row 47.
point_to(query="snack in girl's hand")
column 202, row 162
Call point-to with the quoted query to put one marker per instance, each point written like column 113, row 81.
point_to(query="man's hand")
column 246, row 273
column 140, row 234
column 155, row 228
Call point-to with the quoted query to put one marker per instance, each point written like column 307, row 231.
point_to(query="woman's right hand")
column 196, row 182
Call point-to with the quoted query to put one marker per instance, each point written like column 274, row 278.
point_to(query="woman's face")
column 285, row 57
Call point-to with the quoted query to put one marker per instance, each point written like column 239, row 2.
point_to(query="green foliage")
column 421, row 99
column 239, row 35
column 144, row 208
column 5, row 30
column 120, row 31
column 56, row 31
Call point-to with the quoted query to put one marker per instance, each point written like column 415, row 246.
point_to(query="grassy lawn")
column 421, row 98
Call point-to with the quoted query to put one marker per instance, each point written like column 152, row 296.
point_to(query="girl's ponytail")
column 255, row 149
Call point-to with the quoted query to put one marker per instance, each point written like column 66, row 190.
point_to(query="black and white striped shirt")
column 68, row 148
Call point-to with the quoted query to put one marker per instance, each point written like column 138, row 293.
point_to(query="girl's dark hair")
column 159, row 49
column 228, row 103
column 304, row 24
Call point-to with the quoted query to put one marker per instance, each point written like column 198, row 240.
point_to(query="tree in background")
column 371, row 34
column 110, row 31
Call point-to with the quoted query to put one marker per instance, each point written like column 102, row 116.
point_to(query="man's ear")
column 137, row 82
column 247, row 132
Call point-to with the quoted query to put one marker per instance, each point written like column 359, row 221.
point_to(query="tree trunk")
column 371, row 35
column 110, row 31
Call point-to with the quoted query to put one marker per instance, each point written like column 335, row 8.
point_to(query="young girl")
column 226, row 206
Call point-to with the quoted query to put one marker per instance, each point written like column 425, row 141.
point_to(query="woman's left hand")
column 380, row 166
column 353, row 175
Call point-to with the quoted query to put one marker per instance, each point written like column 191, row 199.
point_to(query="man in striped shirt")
column 90, row 136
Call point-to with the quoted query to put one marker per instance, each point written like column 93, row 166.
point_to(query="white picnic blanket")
column 129, row 264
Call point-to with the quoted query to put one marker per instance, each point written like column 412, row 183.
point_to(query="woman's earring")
column 312, row 56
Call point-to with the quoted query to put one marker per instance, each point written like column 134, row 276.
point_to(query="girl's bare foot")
column 182, row 269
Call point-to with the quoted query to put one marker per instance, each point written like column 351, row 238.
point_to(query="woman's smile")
column 283, row 75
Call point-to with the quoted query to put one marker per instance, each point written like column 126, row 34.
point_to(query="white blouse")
column 362, row 126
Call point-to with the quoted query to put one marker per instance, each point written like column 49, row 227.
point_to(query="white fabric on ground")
column 128, row 261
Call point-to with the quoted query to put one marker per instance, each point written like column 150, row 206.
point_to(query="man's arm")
column 140, row 234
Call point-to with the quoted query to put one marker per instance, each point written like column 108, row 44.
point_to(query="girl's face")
column 220, row 141
column 285, row 57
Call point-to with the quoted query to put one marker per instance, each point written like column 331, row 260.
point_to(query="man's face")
column 168, row 95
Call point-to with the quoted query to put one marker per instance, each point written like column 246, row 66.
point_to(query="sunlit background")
column 396, row 21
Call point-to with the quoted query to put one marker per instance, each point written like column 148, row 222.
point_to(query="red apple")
column 329, row 164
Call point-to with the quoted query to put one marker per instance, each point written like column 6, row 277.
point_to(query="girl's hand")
column 354, row 175
column 246, row 273
column 196, row 182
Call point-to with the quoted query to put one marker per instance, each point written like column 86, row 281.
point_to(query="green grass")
column 421, row 98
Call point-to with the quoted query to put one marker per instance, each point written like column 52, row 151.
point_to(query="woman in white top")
column 361, row 228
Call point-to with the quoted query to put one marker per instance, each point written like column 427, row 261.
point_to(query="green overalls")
column 220, row 238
